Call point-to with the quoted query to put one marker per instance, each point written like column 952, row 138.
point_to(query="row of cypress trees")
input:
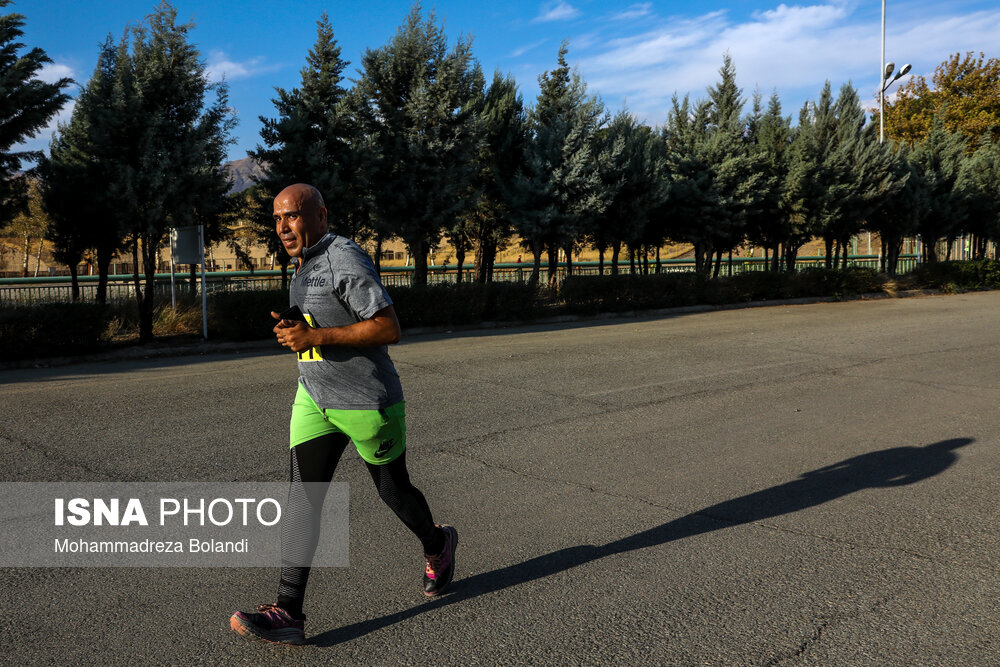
column 422, row 148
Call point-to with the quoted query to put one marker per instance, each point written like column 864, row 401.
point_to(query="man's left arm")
column 380, row 329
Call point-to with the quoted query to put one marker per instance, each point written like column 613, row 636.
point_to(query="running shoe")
column 441, row 567
column 270, row 622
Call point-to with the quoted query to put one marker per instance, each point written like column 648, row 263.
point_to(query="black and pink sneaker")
column 441, row 568
column 271, row 623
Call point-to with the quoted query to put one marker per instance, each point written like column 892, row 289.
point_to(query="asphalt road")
column 796, row 485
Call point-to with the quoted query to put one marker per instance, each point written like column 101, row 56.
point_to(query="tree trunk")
column 631, row 258
column 658, row 263
column 192, row 280
column 930, row 252
column 480, row 259
column 553, row 257
column 569, row 260
column 377, row 260
column 882, row 259
column 418, row 250
column 460, row 258
column 135, row 274
column 718, row 263
column 645, row 260
column 600, row 261
column 27, row 254
column 616, row 249
column 536, row 262
column 730, row 268
column 284, row 275
column 947, row 254
column 828, row 245
column 894, row 250
column 767, row 258
column 38, row 255
column 776, row 258
column 104, row 257
column 76, row 283
column 146, row 304
column 490, row 259
column 791, row 253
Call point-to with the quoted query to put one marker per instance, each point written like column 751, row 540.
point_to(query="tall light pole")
column 885, row 82
column 881, row 85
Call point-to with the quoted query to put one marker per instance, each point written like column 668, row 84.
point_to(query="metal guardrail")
column 121, row 288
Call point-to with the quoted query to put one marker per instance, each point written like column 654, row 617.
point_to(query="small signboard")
column 185, row 245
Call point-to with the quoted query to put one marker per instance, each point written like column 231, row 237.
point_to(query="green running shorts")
column 379, row 435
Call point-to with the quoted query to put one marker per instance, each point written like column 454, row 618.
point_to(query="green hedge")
column 595, row 294
column 52, row 330
column 957, row 275
column 28, row 332
column 244, row 315
column 450, row 304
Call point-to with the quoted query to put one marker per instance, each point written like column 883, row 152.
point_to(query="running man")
column 348, row 391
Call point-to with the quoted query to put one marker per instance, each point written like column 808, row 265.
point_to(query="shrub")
column 595, row 294
column 244, row 315
column 957, row 275
column 52, row 330
column 447, row 304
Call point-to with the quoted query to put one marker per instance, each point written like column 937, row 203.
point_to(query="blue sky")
column 630, row 53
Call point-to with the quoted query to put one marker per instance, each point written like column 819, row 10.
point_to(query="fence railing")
column 121, row 288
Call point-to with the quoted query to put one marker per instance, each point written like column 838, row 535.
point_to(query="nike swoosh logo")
column 384, row 448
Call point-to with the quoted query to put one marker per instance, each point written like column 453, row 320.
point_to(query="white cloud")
column 791, row 48
column 40, row 141
column 635, row 11
column 52, row 72
column 219, row 66
column 520, row 51
column 557, row 11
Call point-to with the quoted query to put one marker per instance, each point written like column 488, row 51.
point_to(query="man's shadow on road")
column 890, row 467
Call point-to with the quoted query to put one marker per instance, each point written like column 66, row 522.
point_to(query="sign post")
column 187, row 246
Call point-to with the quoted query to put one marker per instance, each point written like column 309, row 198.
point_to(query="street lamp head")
column 904, row 71
column 888, row 71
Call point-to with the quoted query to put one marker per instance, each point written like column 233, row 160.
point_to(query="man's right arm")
column 380, row 329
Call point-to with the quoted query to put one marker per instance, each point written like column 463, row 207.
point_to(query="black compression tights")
column 316, row 461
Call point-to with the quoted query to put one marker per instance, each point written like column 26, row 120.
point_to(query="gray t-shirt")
column 336, row 285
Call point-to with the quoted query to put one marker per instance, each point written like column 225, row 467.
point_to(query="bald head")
column 299, row 217
column 303, row 192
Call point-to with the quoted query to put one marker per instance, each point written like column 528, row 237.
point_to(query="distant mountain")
column 242, row 173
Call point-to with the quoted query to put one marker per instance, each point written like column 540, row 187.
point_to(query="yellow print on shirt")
column 313, row 353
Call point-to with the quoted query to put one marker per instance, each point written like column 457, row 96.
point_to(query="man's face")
column 299, row 222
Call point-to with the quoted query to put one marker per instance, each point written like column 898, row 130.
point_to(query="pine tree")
column 503, row 123
column 979, row 183
column 79, row 169
column 26, row 106
column 736, row 176
column 416, row 104
column 938, row 160
column 560, row 191
column 863, row 173
column 633, row 168
column 169, row 171
column 691, row 194
column 899, row 214
column 806, row 181
column 770, row 133
column 313, row 140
